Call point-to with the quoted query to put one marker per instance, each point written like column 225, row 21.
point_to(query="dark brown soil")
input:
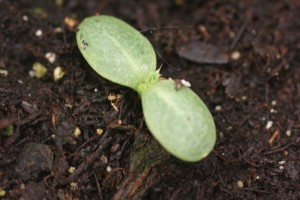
column 254, row 98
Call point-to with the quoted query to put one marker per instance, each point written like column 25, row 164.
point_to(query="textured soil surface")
column 64, row 139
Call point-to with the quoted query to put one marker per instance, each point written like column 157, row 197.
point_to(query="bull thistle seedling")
column 177, row 118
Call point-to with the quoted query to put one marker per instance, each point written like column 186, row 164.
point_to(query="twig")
column 88, row 162
column 239, row 35
column 98, row 187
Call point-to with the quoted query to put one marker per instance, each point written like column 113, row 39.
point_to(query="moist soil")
column 83, row 137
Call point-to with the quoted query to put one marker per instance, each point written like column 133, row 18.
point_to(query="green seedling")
column 177, row 118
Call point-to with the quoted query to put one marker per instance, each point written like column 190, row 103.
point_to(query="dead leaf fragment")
column 201, row 52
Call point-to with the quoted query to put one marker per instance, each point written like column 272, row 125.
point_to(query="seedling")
column 177, row 118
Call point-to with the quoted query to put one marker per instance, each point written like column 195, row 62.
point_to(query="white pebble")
column 20, row 81
column 288, row 133
column 281, row 167
column 281, row 162
column 51, row 57
column 25, row 18
column 274, row 103
column 31, row 73
column 218, row 108
column 39, row 33
column 240, row 184
column 108, row 168
column 3, row 72
column 235, row 55
column 269, row 124
column 273, row 110
column 185, row 83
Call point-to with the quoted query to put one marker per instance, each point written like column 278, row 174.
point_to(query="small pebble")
column 103, row 159
column 39, row 70
column 108, row 168
column 274, row 103
column 185, row 83
column 273, row 110
column 281, row 167
column 31, row 73
column 288, row 133
column 3, row 72
column 244, row 98
column 2, row 192
column 112, row 97
column 218, row 108
column 58, row 73
column 77, row 132
column 39, row 33
column 25, row 18
column 269, row 124
column 99, row 131
column 281, row 162
column 71, row 170
column 51, row 57
column 235, row 55
column 74, row 186
column 240, row 184
column 20, row 81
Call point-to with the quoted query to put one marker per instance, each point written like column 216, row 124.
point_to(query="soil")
column 51, row 140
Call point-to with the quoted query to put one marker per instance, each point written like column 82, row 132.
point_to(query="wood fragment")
column 275, row 135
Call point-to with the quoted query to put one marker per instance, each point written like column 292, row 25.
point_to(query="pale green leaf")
column 116, row 50
column 179, row 120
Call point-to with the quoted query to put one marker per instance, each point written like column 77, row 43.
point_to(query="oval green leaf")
column 179, row 120
column 116, row 50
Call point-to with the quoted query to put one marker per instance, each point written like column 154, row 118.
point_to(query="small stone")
column 240, row 184
column 108, row 168
column 99, row 131
column 3, row 72
column 39, row 70
column 281, row 167
column 39, row 33
column 273, row 110
column 235, row 55
column 244, row 98
column 2, row 192
column 103, row 159
column 288, row 133
column 218, row 108
column 185, row 83
column 281, row 162
column 274, row 103
column 50, row 56
column 71, row 170
column 74, row 186
column 77, row 132
column 269, row 124
column 58, row 73
column 112, row 97
column 25, row 18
